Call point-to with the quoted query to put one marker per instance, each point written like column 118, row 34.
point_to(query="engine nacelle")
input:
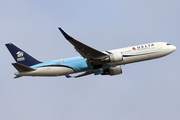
column 113, row 71
column 114, row 57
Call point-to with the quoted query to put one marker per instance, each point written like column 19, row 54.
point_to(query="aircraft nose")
column 172, row 48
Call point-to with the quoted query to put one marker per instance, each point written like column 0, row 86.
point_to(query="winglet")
column 65, row 34
column 68, row 76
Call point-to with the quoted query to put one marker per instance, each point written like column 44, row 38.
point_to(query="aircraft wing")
column 81, row 75
column 92, row 55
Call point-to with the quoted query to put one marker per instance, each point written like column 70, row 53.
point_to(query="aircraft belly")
column 130, row 59
column 48, row 71
column 135, row 58
column 138, row 58
column 158, row 54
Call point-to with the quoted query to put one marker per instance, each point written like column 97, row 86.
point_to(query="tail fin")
column 20, row 56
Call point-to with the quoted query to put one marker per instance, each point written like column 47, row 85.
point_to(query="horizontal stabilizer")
column 22, row 68
column 17, row 76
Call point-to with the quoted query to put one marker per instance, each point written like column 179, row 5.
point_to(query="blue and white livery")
column 91, row 60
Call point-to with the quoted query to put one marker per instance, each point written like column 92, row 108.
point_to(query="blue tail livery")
column 20, row 56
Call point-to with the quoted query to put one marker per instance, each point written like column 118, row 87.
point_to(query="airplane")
column 91, row 61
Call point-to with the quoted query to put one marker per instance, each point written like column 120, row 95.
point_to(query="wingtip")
column 60, row 28
column 68, row 76
column 65, row 34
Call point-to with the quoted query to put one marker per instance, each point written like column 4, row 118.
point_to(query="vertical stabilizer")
column 21, row 56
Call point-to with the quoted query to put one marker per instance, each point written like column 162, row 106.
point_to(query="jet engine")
column 114, row 57
column 112, row 71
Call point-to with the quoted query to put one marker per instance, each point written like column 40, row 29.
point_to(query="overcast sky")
column 145, row 91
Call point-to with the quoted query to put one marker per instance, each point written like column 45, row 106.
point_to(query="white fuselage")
column 143, row 52
column 78, row 64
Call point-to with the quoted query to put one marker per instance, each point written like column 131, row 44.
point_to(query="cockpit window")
column 168, row 44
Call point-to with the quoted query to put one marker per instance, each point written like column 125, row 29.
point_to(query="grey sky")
column 145, row 91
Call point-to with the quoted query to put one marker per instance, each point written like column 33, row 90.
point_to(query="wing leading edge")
column 92, row 55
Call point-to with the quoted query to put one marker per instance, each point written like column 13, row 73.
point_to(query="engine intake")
column 114, row 57
column 113, row 71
